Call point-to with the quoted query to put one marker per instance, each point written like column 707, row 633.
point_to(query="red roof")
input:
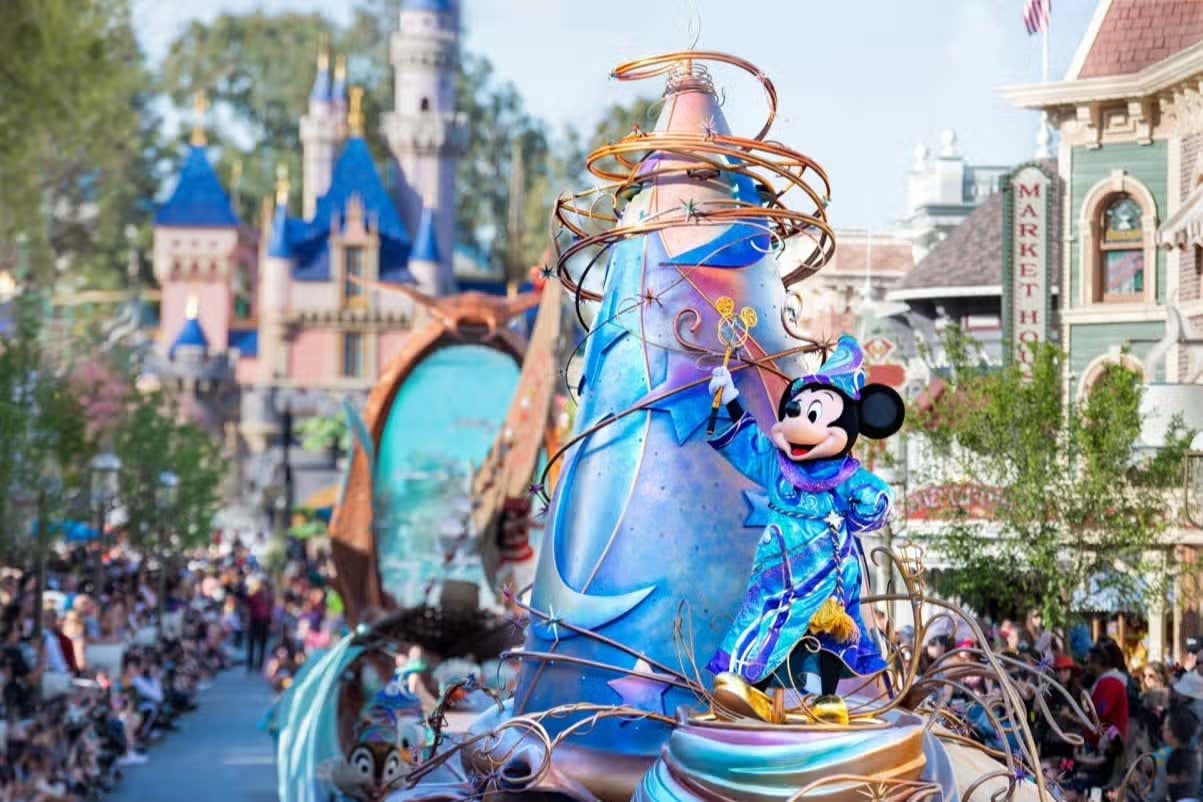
column 890, row 255
column 1138, row 33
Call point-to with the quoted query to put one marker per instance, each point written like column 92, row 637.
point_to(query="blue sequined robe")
column 807, row 553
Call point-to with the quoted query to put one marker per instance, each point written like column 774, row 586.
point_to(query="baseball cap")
column 1193, row 645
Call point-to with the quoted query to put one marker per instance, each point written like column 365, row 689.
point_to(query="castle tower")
column 323, row 130
column 200, row 249
column 424, row 131
column 274, row 288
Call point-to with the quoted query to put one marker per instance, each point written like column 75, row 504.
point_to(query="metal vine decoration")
column 580, row 226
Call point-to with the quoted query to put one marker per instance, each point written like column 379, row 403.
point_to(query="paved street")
column 219, row 752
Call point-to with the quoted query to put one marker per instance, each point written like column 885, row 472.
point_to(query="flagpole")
column 1044, row 47
column 1042, row 136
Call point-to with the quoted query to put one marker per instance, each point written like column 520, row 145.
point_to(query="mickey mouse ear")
column 881, row 411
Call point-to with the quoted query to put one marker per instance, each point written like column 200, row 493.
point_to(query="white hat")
column 1190, row 684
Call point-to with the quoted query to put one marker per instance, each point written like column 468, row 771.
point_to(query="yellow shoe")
column 830, row 709
column 733, row 696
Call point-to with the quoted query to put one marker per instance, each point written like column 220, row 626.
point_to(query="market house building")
column 1130, row 118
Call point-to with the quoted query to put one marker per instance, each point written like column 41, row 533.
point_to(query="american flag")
column 1036, row 14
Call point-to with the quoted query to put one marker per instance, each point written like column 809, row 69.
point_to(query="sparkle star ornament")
column 641, row 692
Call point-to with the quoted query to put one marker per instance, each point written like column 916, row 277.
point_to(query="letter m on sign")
column 1029, row 190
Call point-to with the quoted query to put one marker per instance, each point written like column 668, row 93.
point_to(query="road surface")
column 219, row 753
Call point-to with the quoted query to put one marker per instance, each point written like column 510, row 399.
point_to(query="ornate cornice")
column 428, row 132
column 1184, row 66
column 364, row 318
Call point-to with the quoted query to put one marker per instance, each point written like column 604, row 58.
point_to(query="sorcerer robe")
column 808, row 552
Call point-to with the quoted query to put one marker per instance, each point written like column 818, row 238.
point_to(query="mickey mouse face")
column 816, row 421
column 809, row 428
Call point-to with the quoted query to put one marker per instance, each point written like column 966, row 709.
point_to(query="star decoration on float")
column 834, row 520
column 643, row 693
column 553, row 623
column 691, row 210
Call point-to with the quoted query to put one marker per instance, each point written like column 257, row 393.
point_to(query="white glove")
column 720, row 381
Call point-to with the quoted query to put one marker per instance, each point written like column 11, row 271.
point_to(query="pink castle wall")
column 248, row 370
column 312, row 358
column 213, row 298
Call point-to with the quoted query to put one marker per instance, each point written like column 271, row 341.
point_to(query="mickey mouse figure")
column 801, row 610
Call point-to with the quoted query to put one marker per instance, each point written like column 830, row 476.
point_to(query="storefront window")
column 1122, row 257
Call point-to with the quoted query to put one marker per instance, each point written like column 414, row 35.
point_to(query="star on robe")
column 833, row 520
column 641, row 692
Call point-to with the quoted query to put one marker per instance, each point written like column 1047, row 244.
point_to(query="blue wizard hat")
column 844, row 370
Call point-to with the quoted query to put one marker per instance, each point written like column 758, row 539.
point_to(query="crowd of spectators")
column 93, row 679
column 1143, row 708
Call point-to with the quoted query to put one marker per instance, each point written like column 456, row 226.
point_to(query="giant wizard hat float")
column 644, row 515
column 683, row 258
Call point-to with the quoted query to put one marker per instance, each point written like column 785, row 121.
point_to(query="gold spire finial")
column 200, row 104
column 355, row 114
column 340, row 68
column 282, row 184
column 192, row 308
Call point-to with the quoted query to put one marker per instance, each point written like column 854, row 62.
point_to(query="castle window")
column 1122, row 253
column 353, row 292
column 425, row 105
column 352, row 366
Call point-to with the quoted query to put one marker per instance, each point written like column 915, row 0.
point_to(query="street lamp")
column 104, row 469
column 165, row 498
column 1194, row 482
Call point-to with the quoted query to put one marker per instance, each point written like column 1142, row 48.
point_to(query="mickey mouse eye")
column 814, row 410
column 793, row 409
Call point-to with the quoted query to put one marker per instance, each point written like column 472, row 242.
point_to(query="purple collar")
column 817, row 476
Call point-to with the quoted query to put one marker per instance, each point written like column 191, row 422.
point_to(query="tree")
column 1073, row 507
column 150, row 441
column 77, row 138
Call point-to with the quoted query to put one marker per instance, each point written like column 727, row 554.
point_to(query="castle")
column 256, row 327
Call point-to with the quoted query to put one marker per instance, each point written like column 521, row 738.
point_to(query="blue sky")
column 860, row 82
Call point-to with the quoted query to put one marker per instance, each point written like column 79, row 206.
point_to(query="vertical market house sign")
column 1028, row 197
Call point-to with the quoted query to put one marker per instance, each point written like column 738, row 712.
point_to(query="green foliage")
column 42, row 426
column 77, row 140
column 322, row 432
column 150, row 441
column 1074, row 507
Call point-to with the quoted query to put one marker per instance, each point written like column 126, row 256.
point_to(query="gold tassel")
column 834, row 620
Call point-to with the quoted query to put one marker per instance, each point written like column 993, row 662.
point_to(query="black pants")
column 830, row 669
column 256, row 644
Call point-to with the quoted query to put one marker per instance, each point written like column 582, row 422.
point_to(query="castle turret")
column 424, row 259
column 199, row 248
column 425, row 132
column 274, row 287
column 323, row 130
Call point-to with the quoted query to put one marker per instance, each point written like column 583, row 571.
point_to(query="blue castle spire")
column 321, row 81
column 198, row 200
column 191, row 335
column 426, row 243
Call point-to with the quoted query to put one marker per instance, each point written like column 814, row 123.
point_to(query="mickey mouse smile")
column 799, row 449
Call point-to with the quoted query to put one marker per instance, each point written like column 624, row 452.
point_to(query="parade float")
column 700, row 625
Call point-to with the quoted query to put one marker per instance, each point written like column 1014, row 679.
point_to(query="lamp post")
column 105, row 468
column 165, row 498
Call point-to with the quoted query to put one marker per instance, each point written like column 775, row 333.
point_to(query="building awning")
column 1184, row 229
